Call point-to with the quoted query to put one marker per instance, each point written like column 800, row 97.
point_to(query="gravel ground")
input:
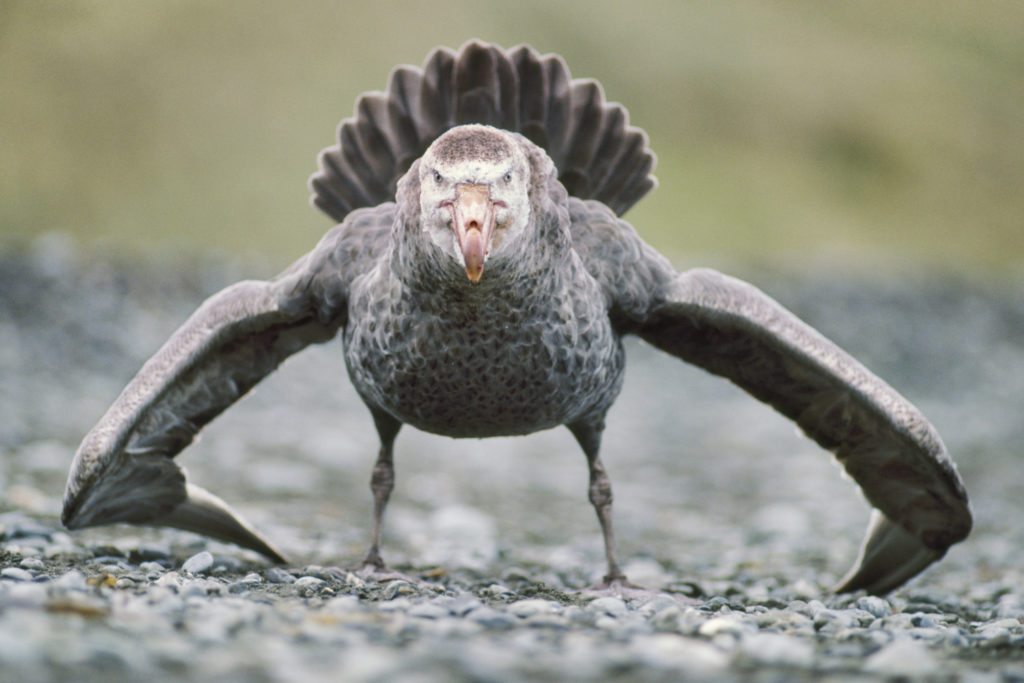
column 740, row 523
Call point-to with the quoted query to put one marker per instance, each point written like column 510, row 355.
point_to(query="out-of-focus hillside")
column 857, row 129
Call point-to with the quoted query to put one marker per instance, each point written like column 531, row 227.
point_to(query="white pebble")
column 152, row 569
column 671, row 650
column 878, row 607
column 33, row 563
column 27, row 594
column 776, row 649
column 904, row 657
column 310, row 586
column 71, row 580
column 724, row 624
column 614, row 607
column 16, row 574
column 198, row 563
column 533, row 606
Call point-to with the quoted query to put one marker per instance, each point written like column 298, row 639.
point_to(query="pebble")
column 685, row 654
column 492, row 618
column 276, row 575
column 199, row 563
column 398, row 588
column 904, row 657
column 72, row 580
column 723, row 625
column 33, row 563
column 16, row 574
column 310, row 585
column 874, row 605
column 428, row 610
column 533, row 607
column 775, row 649
column 613, row 607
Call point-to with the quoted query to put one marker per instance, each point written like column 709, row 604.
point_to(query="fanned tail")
column 597, row 153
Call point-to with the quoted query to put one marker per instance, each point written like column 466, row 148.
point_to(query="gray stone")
column 876, row 606
column 533, row 606
column 24, row 594
column 776, row 649
column 667, row 650
column 657, row 604
column 667, row 619
column 194, row 588
column 200, row 563
column 904, row 657
column 33, row 564
column 725, row 624
column 152, row 569
column 428, row 610
column 613, row 607
column 16, row 574
column 276, row 575
column 72, row 579
column 460, row 605
column 490, row 618
column 310, row 585
column 398, row 588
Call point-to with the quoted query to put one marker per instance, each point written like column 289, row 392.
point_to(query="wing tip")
column 204, row 513
column 889, row 557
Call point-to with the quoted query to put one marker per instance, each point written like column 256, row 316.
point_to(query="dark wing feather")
column 732, row 329
column 123, row 470
column 597, row 153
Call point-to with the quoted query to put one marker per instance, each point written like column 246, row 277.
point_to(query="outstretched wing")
column 123, row 470
column 732, row 329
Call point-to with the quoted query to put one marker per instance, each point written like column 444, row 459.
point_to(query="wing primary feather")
column 732, row 329
column 204, row 513
column 888, row 557
column 123, row 471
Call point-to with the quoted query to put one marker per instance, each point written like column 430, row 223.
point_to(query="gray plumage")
column 481, row 281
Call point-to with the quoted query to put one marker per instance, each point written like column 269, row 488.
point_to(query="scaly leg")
column 381, row 483
column 600, row 493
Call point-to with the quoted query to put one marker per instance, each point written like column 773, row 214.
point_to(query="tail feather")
column 598, row 154
column 608, row 143
column 373, row 140
column 434, row 112
column 487, row 87
column 587, row 102
column 404, row 90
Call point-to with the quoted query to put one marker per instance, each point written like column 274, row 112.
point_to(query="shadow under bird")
column 482, row 281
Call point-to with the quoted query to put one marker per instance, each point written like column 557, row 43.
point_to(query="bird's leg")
column 600, row 494
column 382, row 481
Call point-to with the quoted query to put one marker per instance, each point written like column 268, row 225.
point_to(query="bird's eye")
column 508, row 177
column 437, row 177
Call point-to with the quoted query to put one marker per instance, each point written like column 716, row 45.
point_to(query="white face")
column 474, row 198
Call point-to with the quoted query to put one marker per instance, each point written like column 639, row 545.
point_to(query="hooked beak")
column 473, row 222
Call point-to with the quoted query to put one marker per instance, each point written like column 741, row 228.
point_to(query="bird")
column 481, row 280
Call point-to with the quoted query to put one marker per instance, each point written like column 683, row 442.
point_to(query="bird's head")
column 475, row 194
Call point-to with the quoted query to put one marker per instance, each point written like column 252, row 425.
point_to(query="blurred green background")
column 866, row 132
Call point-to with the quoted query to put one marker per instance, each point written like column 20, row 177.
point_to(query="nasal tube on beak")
column 473, row 223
